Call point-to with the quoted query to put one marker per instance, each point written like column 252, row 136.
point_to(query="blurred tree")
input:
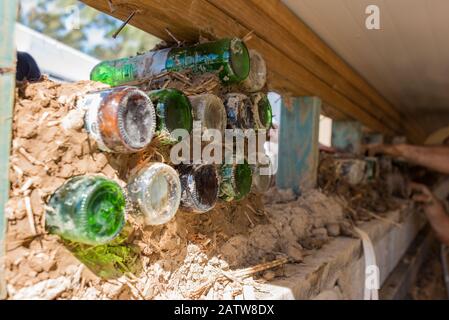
column 84, row 28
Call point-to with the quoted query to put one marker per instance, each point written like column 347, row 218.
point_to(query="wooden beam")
column 298, row 166
column 8, row 12
column 332, row 112
column 188, row 19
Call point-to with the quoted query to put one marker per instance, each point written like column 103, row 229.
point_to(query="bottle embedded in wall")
column 229, row 58
column 243, row 112
column 87, row 209
column 173, row 111
column 236, row 181
column 120, row 120
column 261, row 111
column 155, row 192
column 200, row 187
column 209, row 110
column 257, row 77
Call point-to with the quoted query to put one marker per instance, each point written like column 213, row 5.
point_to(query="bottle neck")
column 128, row 70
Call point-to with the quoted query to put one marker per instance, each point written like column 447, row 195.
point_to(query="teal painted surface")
column 8, row 12
column 298, row 144
column 347, row 136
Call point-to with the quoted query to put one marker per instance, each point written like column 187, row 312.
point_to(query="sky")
column 96, row 30
column 94, row 38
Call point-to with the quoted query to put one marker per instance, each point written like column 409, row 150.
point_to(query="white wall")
column 54, row 58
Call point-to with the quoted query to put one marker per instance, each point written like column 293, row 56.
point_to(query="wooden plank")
column 331, row 112
column 298, row 165
column 280, row 32
column 399, row 282
column 191, row 18
column 372, row 138
column 8, row 12
column 347, row 136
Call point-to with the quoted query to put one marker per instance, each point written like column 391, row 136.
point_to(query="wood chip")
column 30, row 216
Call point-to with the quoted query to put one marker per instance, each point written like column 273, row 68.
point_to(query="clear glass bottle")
column 120, row 120
column 173, row 111
column 155, row 190
column 227, row 57
column 209, row 109
column 87, row 209
column 200, row 187
column 236, row 181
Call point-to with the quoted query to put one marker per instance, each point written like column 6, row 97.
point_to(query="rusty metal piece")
column 124, row 24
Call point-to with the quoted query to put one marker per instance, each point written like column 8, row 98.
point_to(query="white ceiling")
column 407, row 60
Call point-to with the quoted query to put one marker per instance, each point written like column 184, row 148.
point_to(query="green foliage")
column 56, row 19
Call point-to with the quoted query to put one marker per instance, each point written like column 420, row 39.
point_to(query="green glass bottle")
column 236, row 181
column 227, row 57
column 87, row 209
column 173, row 111
column 262, row 113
